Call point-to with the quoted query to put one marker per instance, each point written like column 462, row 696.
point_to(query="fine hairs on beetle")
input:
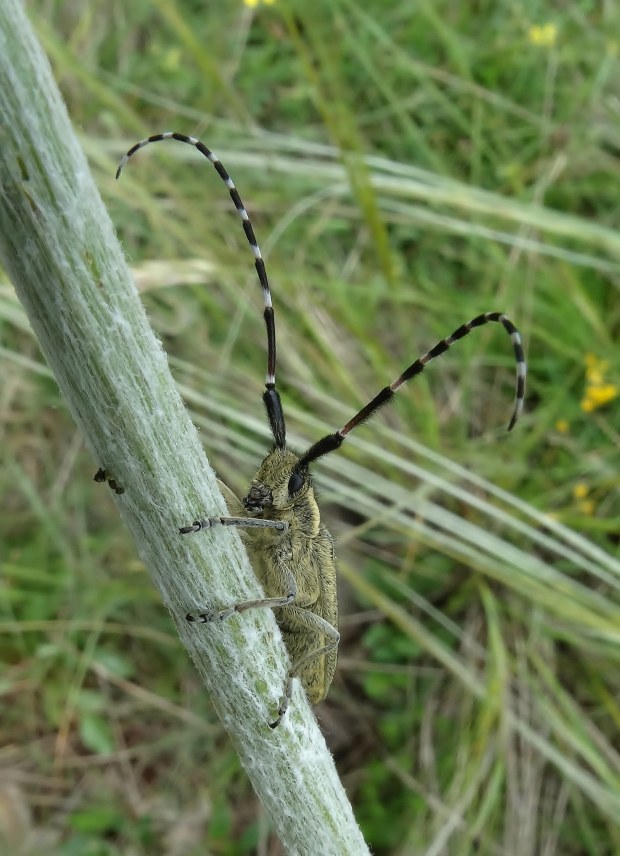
column 291, row 552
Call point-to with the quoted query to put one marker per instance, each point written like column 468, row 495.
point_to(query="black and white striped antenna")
column 271, row 397
column 273, row 405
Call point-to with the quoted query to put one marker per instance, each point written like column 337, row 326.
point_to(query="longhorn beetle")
column 291, row 551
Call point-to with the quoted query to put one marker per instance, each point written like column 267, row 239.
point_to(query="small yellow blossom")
column 598, row 391
column 580, row 490
column 562, row 426
column 587, row 507
column 598, row 396
column 254, row 3
column 542, row 35
column 595, row 369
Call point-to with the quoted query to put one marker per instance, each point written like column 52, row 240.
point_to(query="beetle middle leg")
column 265, row 602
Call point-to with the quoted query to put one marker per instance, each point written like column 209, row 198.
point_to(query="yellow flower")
column 595, row 369
column 598, row 391
column 587, row 507
column 580, row 490
column 252, row 4
column 562, row 426
column 597, row 396
column 542, row 35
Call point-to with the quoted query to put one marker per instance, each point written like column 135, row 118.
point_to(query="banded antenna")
column 333, row 441
column 271, row 397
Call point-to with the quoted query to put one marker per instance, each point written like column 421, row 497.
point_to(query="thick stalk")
column 59, row 248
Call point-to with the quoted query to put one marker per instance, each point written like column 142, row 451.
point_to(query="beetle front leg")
column 238, row 522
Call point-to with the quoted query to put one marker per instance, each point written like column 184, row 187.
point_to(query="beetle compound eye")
column 295, row 483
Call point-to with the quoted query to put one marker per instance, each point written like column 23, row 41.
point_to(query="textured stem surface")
column 59, row 248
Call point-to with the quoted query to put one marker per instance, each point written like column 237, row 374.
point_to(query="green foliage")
column 407, row 166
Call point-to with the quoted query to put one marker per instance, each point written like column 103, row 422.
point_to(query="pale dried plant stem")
column 59, row 249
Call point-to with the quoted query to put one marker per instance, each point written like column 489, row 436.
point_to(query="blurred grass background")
column 406, row 168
